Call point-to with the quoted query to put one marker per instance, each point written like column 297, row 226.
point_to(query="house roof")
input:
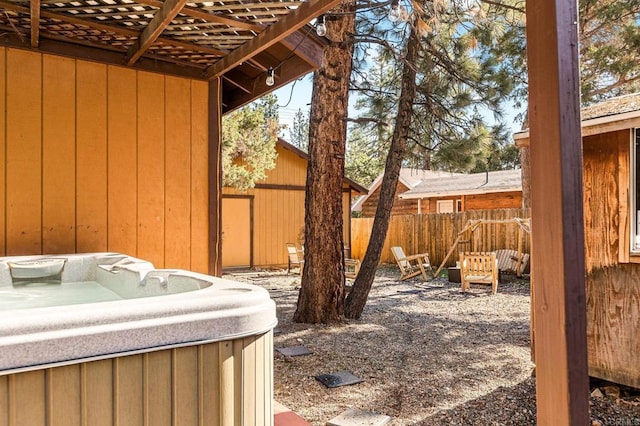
column 621, row 112
column 408, row 177
column 467, row 184
column 237, row 40
column 355, row 186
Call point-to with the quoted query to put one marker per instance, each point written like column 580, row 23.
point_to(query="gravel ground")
column 427, row 353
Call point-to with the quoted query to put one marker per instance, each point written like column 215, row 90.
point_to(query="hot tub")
column 108, row 339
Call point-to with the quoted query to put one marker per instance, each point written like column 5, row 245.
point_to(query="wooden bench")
column 479, row 267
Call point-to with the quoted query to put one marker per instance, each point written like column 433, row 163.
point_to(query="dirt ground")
column 427, row 353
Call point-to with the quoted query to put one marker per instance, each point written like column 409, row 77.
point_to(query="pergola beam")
column 558, row 292
column 162, row 18
column 35, row 22
column 289, row 24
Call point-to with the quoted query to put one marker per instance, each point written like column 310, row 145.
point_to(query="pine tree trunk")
column 321, row 298
column 360, row 292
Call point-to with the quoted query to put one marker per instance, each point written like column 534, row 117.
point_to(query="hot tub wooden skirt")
column 223, row 383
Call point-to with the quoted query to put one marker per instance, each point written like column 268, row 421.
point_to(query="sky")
column 297, row 95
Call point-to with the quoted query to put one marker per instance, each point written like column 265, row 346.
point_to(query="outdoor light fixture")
column 394, row 11
column 321, row 28
column 271, row 80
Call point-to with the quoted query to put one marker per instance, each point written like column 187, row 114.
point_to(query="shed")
column 611, row 173
column 110, row 123
column 257, row 223
column 409, row 178
column 462, row 192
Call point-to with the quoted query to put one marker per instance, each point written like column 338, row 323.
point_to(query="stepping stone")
column 341, row 378
column 356, row 417
column 294, row 351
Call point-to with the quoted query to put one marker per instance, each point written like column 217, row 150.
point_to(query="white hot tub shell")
column 202, row 337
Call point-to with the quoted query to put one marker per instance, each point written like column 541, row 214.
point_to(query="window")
column 635, row 191
column 444, row 206
column 458, row 205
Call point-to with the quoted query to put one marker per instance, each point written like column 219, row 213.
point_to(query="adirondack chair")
column 479, row 267
column 295, row 257
column 508, row 261
column 351, row 268
column 413, row 265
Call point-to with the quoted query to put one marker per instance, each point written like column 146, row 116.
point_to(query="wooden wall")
column 102, row 158
column 434, row 233
column 223, row 383
column 400, row 206
column 278, row 203
column 613, row 288
column 496, row 200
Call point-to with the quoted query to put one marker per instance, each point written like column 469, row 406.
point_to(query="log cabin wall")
column 278, row 210
column 496, row 200
column 102, row 158
column 400, row 206
column 613, row 288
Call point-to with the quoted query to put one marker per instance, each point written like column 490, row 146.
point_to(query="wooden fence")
column 435, row 233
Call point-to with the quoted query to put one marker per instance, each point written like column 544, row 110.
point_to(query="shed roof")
column 620, row 112
column 408, row 177
column 238, row 40
column 467, row 184
column 355, row 186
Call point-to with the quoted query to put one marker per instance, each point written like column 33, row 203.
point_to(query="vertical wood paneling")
column 199, row 177
column 613, row 318
column 224, row 383
column 4, row 401
column 238, row 367
column 210, row 398
column 249, row 381
column 129, row 381
column 227, row 375
column 121, row 157
column 23, row 153
column 3, row 70
column 158, row 385
column 27, row 398
column 98, row 393
column 91, row 155
column 151, row 173
column 64, row 395
column 58, row 155
column 185, row 389
column 177, row 170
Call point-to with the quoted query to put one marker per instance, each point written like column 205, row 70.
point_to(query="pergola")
column 233, row 45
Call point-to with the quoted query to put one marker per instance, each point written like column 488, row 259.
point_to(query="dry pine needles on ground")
column 428, row 354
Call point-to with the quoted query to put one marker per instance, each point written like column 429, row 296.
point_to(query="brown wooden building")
column 257, row 224
column 611, row 173
column 110, row 123
column 408, row 179
column 464, row 192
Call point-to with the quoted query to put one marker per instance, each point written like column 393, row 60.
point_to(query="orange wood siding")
column 496, row 200
column 102, row 158
column 278, row 210
column 601, row 198
column 3, row 129
column 218, row 384
column 400, row 206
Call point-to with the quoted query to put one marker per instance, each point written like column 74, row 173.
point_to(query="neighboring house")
column 408, row 179
column 611, row 199
column 257, row 224
column 463, row 192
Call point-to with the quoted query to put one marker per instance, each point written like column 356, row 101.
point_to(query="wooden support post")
column 557, row 214
column 215, row 177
